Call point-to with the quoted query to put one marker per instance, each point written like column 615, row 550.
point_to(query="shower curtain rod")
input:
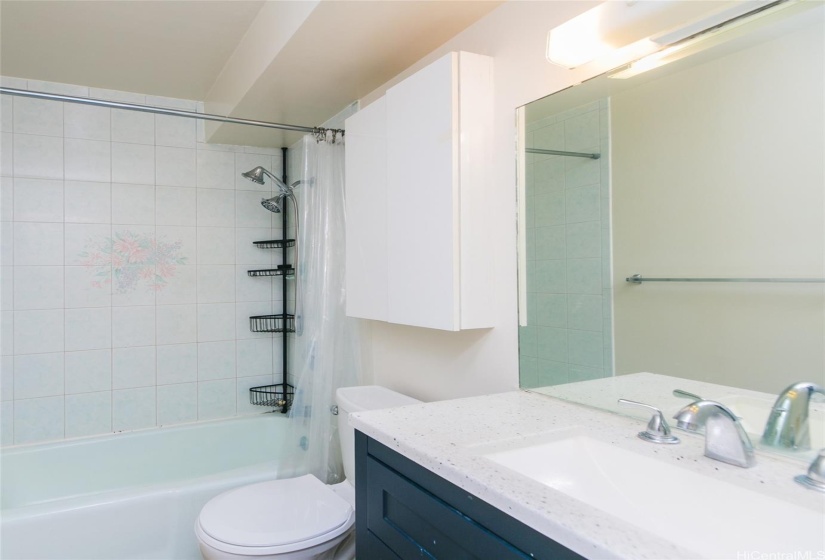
column 163, row 111
column 561, row 153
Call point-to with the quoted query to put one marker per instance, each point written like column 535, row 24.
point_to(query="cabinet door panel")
column 366, row 184
column 422, row 198
column 416, row 524
column 371, row 547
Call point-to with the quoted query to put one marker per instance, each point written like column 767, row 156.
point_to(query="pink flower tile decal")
column 129, row 260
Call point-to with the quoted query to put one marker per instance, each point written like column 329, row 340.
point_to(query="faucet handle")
column 815, row 478
column 686, row 395
column 657, row 429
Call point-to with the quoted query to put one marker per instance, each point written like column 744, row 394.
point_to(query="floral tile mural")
column 130, row 261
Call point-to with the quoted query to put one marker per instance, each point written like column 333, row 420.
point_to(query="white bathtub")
column 132, row 495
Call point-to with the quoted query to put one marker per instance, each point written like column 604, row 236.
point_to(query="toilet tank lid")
column 370, row 397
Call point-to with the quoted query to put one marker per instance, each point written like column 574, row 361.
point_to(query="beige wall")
column 723, row 178
column 431, row 364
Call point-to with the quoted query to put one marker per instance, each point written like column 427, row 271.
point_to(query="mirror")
column 708, row 168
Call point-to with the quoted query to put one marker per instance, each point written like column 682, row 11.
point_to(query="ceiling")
column 290, row 61
column 173, row 48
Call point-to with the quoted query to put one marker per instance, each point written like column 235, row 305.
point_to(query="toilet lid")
column 275, row 513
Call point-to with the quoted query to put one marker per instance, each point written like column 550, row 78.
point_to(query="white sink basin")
column 702, row 514
column 753, row 412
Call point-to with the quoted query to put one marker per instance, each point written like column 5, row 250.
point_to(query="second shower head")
column 272, row 204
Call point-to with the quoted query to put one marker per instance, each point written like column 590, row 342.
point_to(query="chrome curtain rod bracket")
column 639, row 279
column 172, row 112
column 561, row 153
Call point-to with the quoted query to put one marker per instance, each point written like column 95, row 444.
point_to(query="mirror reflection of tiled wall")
column 568, row 336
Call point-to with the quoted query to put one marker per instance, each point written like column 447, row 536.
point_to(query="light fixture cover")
column 636, row 26
column 599, row 31
column 711, row 31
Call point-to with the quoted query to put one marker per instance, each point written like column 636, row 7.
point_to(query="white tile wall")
column 177, row 403
column 37, row 156
column 133, row 409
column 38, row 200
column 95, row 338
column 37, row 243
column 91, row 123
column 175, row 206
column 132, row 127
column 6, row 199
column 133, row 367
column 133, row 204
column 88, row 371
column 87, row 202
column 177, row 363
column 133, row 163
column 87, row 160
column 88, row 414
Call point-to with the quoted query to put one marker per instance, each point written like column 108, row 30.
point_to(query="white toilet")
column 294, row 518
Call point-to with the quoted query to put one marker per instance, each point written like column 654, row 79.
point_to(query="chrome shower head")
column 255, row 175
column 272, row 204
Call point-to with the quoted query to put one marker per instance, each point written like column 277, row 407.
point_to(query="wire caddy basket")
column 279, row 396
column 281, row 270
column 283, row 322
column 274, row 243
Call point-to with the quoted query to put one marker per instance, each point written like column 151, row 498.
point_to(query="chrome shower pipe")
column 161, row 110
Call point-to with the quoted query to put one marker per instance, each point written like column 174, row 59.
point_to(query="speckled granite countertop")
column 445, row 436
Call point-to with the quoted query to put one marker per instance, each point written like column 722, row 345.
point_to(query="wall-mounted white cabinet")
column 418, row 199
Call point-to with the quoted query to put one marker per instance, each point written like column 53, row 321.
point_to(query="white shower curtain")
column 326, row 352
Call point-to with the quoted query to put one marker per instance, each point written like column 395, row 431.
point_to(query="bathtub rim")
column 69, row 442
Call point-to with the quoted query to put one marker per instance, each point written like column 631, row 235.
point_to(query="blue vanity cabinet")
column 405, row 511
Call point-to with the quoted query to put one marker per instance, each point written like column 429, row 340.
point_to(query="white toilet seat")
column 275, row 517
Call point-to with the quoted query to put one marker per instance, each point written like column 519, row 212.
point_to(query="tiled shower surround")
column 126, row 242
column 569, row 302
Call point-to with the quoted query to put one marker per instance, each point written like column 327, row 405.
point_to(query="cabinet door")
column 422, row 198
column 414, row 523
column 366, row 190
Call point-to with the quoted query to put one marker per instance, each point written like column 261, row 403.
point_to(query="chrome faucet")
column 787, row 424
column 725, row 439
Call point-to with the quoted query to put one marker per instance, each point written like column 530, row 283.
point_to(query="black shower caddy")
column 280, row 395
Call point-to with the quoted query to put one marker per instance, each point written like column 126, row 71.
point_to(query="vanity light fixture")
column 619, row 31
column 652, row 61
column 600, row 31
column 706, row 37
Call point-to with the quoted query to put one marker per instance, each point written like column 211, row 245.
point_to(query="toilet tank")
column 356, row 399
